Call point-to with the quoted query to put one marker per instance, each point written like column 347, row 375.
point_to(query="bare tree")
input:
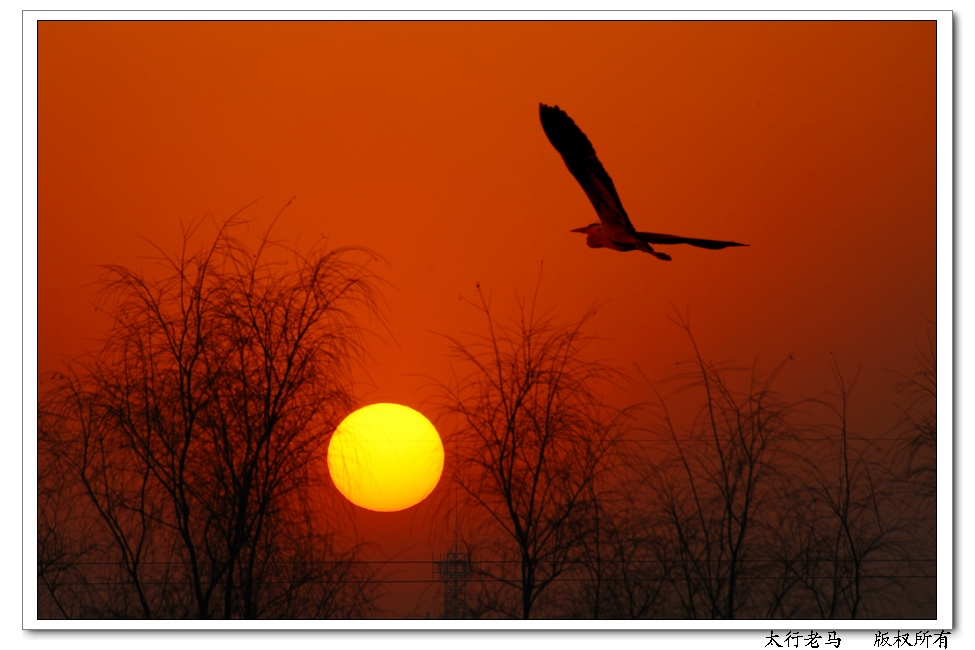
column 716, row 487
column 621, row 574
column 195, row 429
column 919, row 393
column 769, row 518
column 533, row 439
column 917, row 472
column 842, row 519
column 64, row 538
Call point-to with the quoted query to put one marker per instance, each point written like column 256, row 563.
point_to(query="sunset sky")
column 813, row 142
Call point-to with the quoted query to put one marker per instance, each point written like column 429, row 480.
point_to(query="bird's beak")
column 583, row 229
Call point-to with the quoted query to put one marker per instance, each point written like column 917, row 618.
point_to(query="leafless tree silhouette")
column 917, row 459
column 771, row 519
column 755, row 508
column 64, row 536
column 620, row 574
column 180, row 470
column 919, row 392
column 717, row 486
column 534, row 440
column 195, row 430
column 842, row 518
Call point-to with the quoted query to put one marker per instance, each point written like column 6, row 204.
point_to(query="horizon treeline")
column 179, row 464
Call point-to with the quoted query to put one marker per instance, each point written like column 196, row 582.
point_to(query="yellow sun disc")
column 385, row 457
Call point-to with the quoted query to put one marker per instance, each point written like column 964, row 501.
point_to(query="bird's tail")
column 659, row 238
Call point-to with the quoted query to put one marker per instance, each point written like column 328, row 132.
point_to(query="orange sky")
column 814, row 142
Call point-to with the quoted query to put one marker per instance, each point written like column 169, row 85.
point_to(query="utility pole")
column 454, row 570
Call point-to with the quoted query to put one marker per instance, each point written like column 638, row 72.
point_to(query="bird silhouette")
column 614, row 229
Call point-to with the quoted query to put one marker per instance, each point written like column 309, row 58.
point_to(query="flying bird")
column 614, row 229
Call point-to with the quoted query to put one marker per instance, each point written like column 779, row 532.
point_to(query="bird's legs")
column 647, row 248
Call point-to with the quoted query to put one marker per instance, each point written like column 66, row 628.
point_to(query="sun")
column 385, row 457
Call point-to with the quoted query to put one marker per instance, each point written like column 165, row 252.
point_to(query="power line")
column 512, row 562
column 482, row 578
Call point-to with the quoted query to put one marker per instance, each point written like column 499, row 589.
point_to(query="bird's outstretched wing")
column 579, row 156
column 658, row 238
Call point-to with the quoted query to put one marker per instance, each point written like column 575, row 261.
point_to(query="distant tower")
column 454, row 570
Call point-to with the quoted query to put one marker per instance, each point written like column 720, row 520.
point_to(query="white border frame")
column 945, row 322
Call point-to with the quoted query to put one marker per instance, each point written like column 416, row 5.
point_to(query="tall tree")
column 717, row 487
column 534, row 438
column 195, row 428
